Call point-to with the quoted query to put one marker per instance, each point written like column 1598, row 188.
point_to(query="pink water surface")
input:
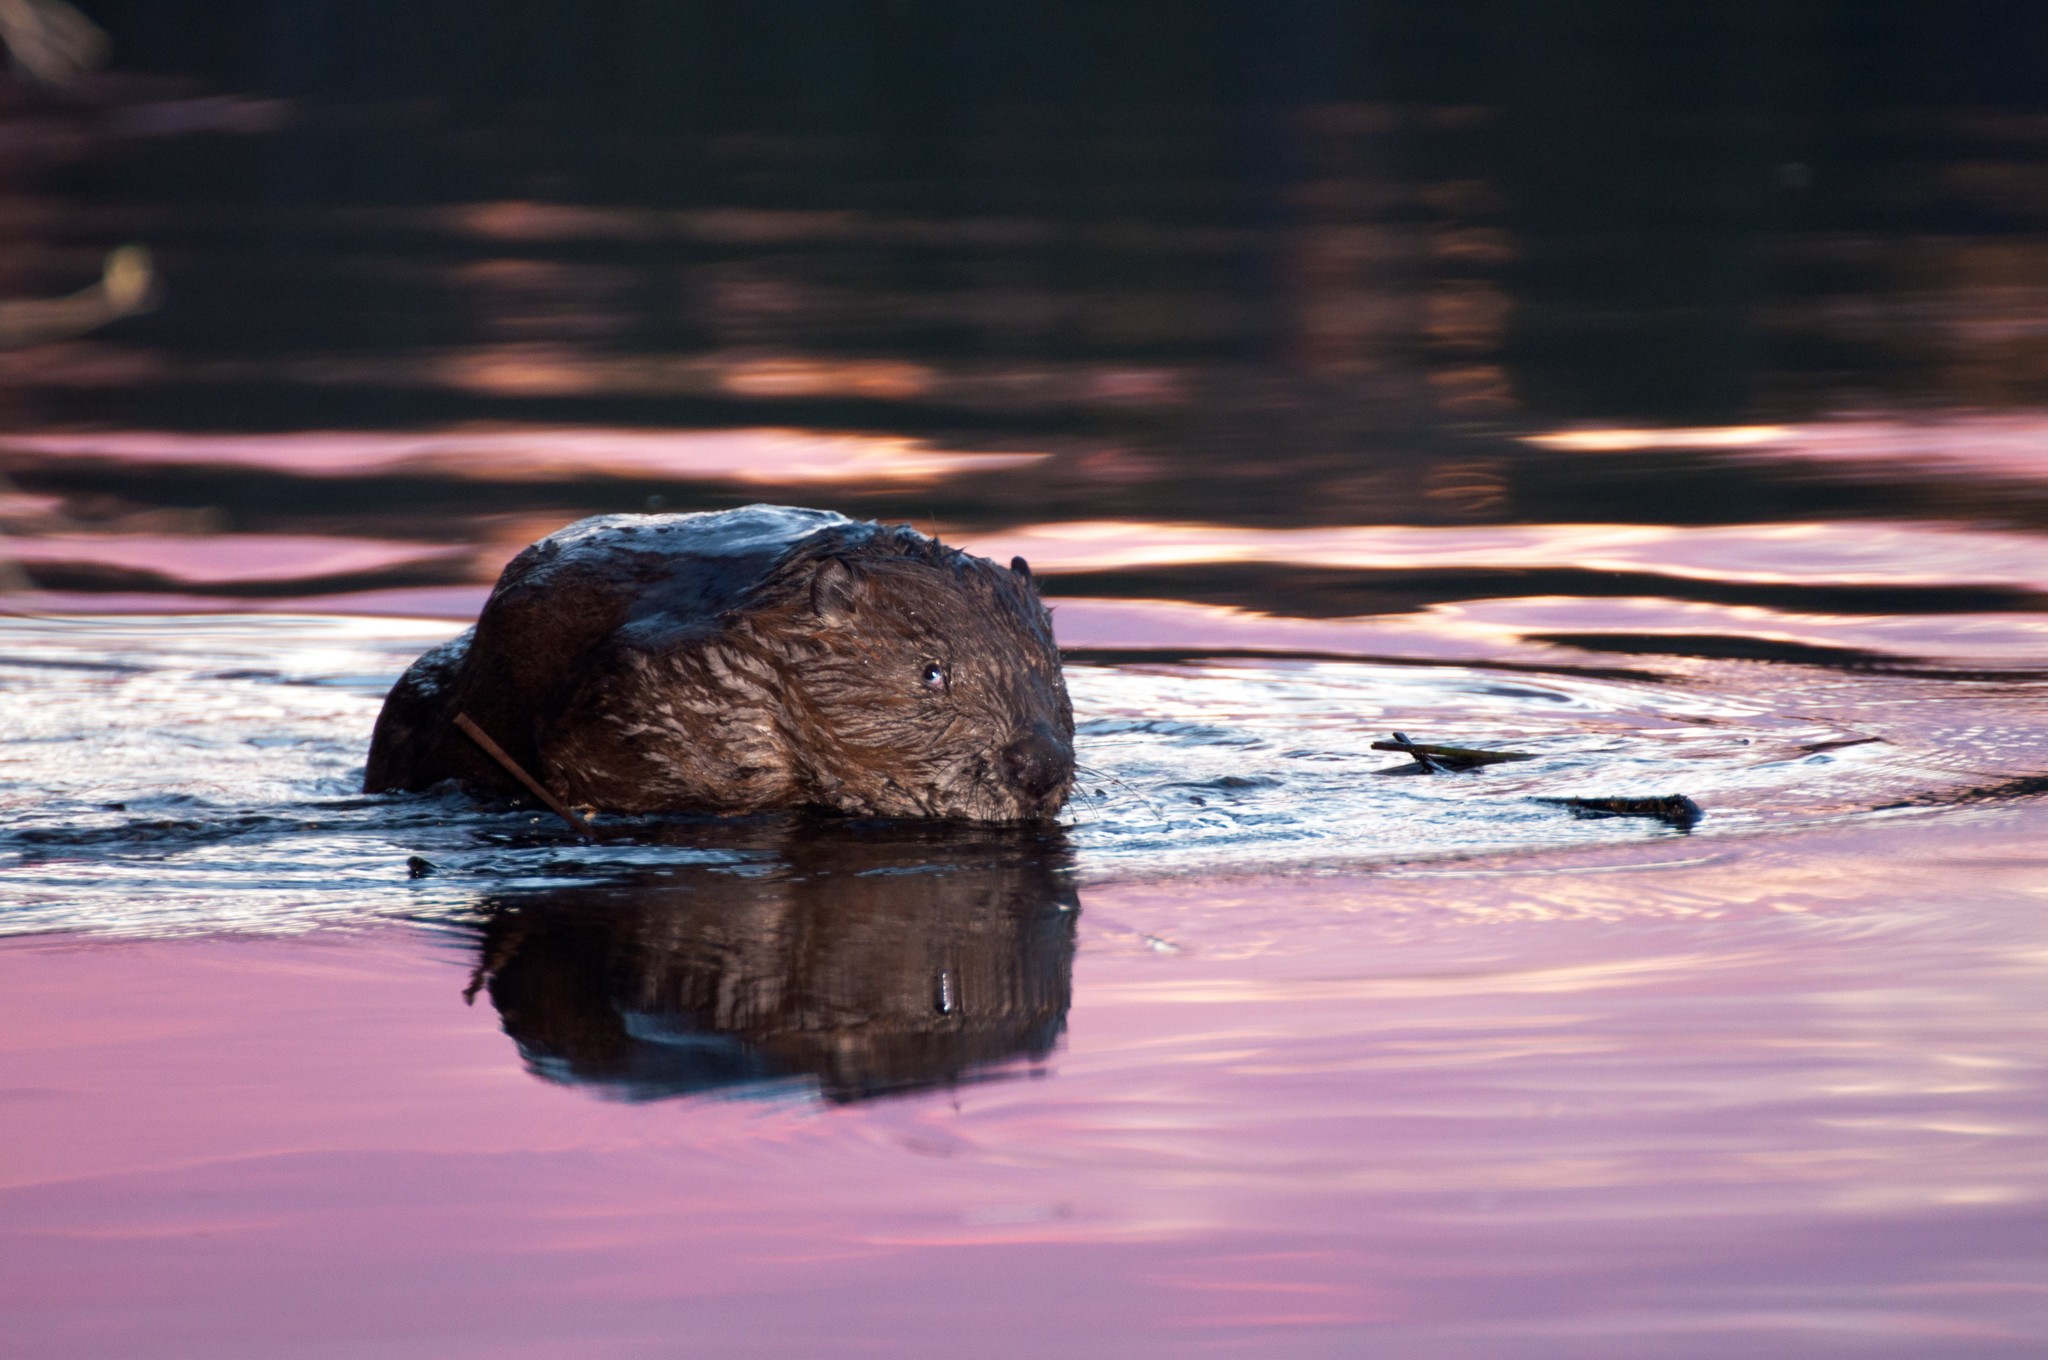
column 219, row 559
column 1777, row 1097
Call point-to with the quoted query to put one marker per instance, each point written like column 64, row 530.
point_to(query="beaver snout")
column 1038, row 764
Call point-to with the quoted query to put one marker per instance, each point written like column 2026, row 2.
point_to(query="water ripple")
column 224, row 794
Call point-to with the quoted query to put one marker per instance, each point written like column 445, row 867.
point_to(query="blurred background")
column 315, row 304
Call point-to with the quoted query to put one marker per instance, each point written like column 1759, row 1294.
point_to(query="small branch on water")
column 1401, row 743
column 1673, row 809
column 518, row 772
column 1440, row 759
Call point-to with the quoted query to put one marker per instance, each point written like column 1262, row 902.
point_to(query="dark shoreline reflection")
column 867, row 959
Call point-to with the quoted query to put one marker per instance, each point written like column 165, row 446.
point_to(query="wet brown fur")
column 629, row 674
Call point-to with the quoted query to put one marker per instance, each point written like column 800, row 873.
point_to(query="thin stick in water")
column 1401, row 743
column 1451, row 757
column 513, row 768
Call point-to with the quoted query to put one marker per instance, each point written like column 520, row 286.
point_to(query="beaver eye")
column 933, row 677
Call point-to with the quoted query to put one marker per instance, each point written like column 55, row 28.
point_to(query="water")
column 226, row 795
column 1261, row 1047
column 1648, row 409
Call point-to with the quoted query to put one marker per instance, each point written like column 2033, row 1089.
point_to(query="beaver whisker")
column 1096, row 772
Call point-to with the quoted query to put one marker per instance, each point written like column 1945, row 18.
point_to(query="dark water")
column 1658, row 394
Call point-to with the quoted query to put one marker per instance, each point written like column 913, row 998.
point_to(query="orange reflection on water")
column 543, row 370
column 771, row 379
column 1601, row 440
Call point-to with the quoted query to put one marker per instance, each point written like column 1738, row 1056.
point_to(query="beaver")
column 764, row 658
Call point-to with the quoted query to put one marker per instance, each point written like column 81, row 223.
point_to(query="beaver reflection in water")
column 761, row 658
column 857, row 960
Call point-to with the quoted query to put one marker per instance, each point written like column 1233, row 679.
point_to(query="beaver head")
column 915, row 680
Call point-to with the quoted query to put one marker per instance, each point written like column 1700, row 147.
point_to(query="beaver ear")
column 1022, row 568
column 834, row 590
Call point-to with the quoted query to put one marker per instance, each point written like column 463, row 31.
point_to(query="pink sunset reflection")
column 1861, row 552
column 1345, row 1112
column 544, row 453
column 222, row 558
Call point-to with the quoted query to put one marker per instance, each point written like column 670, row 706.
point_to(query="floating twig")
column 127, row 285
column 513, row 768
column 1401, row 743
column 1438, row 759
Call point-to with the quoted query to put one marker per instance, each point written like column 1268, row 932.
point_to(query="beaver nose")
column 1037, row 762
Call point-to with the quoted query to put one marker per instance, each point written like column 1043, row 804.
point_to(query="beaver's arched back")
column 651, row 580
